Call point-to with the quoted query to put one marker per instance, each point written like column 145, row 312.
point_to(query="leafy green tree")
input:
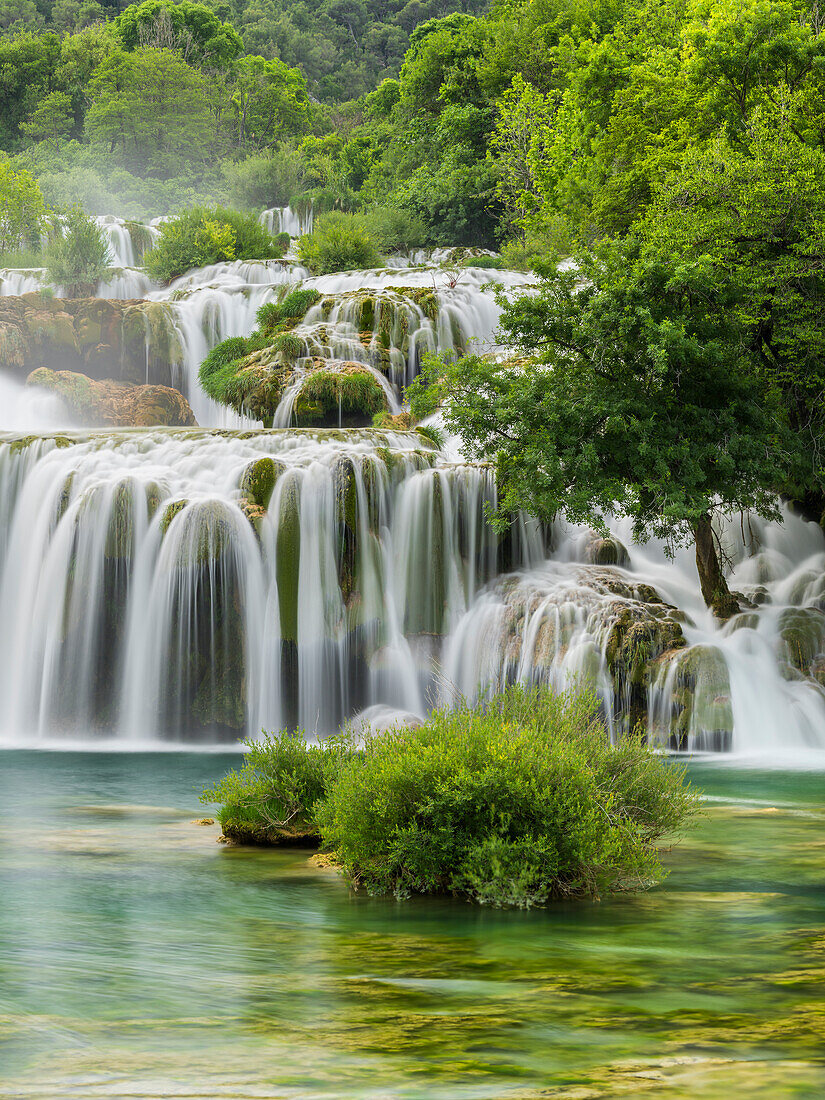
column 21, row 209
column 27, row 67
column 78, row 258
column 19, row 15
column 517, row 146
column 338, row 242
column 76, row 15
column 269, row 101
column 273, row 177
column 753, row 213
column 201, row 236
column 190, row 28
column 637, row 397
column 51, row 120
column 150, row 112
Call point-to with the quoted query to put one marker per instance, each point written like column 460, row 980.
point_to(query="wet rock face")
column 111, row 403
column 694, row 697
column 129, row 341
column 596, row 627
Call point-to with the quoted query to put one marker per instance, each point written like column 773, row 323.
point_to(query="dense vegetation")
column 77, row 258
column 516, row 802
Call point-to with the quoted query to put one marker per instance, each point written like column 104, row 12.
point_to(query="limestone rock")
column 105, row 339
column 111, row 403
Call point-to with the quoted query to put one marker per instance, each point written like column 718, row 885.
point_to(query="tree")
column 518, row 144
column 51, row 120
column 150, row 112
column 78, row 257
column 270, row 101
column 27, row 70
column 19, row 14
column 637, row 397
column 76, row 15
column 21, row 209
column 192, row 29
column 754, row 213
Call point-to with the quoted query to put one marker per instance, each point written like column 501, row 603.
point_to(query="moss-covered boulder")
column 111, row 403
column 605, row 551
column 104, row 339
column 345, row 394
column 802, row 641
column 697, row 701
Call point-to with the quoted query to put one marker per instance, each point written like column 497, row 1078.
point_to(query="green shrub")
column 78, row 256
column 516, row 802
column 553, row 241
column 271, row 178
column 218, row 371
column 201, row 236
column 338, row 242
column 393, row 229
column 271, row 799
column 293, row 307
column 486, row 263
column 22, row 258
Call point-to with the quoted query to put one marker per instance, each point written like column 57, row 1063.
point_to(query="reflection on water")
column 140, row 958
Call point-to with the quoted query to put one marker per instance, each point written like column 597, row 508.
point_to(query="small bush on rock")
column 271, row 800
column 338, row 242
column 199, row 237
column 77, row 258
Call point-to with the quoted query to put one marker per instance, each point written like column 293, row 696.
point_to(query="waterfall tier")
column 192, row 586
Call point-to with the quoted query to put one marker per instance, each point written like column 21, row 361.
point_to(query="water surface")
column 140, row 958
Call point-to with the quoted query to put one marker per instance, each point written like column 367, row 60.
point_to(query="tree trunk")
column 715, row 589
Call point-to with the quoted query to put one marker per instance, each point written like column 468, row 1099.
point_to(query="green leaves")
column 21, row 209
column 201, row 236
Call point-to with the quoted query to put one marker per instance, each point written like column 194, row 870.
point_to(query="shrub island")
column 518, row 801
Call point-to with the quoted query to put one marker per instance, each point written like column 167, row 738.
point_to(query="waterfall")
column 190, row 585
column 199, row 585
column 283, row 219
column 28, row 408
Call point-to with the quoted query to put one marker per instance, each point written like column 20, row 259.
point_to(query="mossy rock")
column 258, row 834
column 288, row 553
column 206, row 534
column 258, row 480
column 802, row 633
column 606, row 551
column 702, row 711
column 169, row 512
column 15, row 351
column 348, row 394
column 120, row 534
column 112, row 403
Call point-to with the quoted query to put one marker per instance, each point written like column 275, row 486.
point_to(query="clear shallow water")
column 139, row 958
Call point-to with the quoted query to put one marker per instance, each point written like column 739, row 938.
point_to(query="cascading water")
column 200, row 585
column 26, row 408
column 193, row 585
column 283, row 219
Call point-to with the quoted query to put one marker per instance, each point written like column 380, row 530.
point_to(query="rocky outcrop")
column 129, row 341
column 340, row 347
column 115, row 404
